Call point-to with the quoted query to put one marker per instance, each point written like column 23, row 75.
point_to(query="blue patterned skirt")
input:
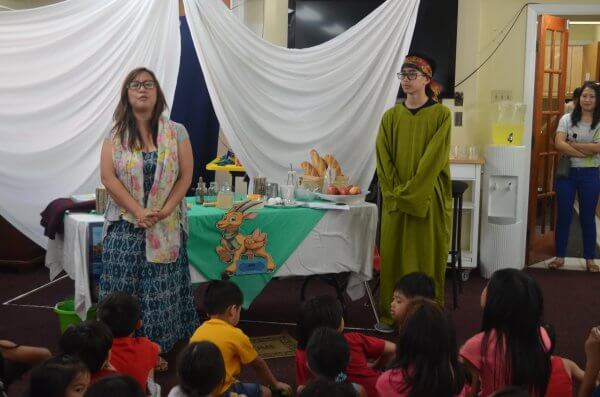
column 163, row 290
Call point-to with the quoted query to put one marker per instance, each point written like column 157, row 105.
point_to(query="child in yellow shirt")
column 223, row 304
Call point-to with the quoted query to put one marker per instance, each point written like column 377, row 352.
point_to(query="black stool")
column 455, row 264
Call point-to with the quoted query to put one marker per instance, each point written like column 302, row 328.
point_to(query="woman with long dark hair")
column 512, row 348
column 578, row 136
column 426, row 361
column 146, row 167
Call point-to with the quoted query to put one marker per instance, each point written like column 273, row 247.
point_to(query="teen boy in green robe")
column 413, row 148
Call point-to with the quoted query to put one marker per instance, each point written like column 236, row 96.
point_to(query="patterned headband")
column 424, row 67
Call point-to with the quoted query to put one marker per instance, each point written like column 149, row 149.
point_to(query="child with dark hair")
column 412, row 285
column 16, row 360
column 60, row 376
column 512, row 348
column 223, row 304
column 201, row 370
column 328, row 357
column 326, row 311
column 89, row 341
column 322, row 387
column 426, row 361
column 115, row 386
column 130, row 355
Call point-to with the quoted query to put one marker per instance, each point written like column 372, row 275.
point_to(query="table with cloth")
column 301, row 241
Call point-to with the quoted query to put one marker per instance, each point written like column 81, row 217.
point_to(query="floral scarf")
column 162, row 239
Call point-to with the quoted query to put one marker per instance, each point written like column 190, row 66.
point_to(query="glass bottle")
column 225, row 197
column 201, row 191
column 212, row 191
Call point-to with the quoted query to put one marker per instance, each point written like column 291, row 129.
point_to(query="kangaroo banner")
column 248, row 245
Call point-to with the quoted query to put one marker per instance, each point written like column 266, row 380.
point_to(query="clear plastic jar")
column 225, row 197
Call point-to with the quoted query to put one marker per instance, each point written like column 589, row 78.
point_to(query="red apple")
column 355, row 189
column 333, row 190
column 345, row 190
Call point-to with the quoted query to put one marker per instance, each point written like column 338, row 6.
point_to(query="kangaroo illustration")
column 234, row 244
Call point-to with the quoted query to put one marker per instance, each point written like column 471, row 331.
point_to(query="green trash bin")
column 67, row 316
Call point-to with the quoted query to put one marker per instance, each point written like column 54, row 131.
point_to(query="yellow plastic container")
column 507, row 134
column 67, row 316
column 507, row 123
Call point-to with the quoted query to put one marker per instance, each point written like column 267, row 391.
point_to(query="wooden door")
column 550, row 84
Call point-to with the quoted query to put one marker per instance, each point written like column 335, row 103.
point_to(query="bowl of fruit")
column 344, row 194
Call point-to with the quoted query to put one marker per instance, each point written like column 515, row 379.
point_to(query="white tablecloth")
column 342, row 241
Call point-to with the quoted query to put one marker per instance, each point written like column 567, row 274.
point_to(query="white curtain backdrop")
column 275, row 104
column 61, row 69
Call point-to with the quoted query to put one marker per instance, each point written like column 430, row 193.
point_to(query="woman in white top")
column 578, row 136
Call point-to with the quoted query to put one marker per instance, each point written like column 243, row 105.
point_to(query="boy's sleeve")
column 471, row 350
column 373, row 347
column 246, row 351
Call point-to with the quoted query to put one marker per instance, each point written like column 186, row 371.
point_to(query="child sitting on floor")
column 328, row 356
column 426, row 361
column 412, row 285
column 201, row 371
column 321, row 387
column 60, row 376
column 16, row 360
column 130, row 355
column 117, row 385
column 90, row 341
column 326, row 311
column 223, row 304
column 512, row 348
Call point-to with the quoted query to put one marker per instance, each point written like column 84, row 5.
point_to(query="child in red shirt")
column 130, row 355
column 326, row 311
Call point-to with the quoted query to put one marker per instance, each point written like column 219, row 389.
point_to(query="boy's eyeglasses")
column 136, row 85
column 410, row 75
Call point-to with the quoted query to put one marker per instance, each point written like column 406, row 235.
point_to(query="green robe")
column 414, row 175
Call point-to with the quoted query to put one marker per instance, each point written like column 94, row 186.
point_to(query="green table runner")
column 285, row 228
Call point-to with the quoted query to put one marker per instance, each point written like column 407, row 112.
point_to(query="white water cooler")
column 503, row 209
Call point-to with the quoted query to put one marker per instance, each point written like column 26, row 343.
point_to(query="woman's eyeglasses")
column 136, row 85
column 409, row 75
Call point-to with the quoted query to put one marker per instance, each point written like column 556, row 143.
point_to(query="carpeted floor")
column 571, row 301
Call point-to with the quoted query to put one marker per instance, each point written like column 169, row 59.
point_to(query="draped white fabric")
column 61, row 69
column 275, row 104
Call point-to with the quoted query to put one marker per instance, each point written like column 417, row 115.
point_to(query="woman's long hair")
column 124, row 118
column 426, row 351
column 577, row 112
column 513, row 309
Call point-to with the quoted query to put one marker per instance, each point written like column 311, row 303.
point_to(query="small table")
column 234, row 170
column 341, row 242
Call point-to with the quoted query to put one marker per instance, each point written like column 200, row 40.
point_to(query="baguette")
column 314, row 158
column 322, row 167
column 333, row 163
column 309, row 169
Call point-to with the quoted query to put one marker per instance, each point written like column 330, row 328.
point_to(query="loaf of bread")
column 314, row 158
column 333, row 164
column 309, row 169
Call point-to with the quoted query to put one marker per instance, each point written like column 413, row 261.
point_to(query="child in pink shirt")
column 512, row 347
column 426, row 361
